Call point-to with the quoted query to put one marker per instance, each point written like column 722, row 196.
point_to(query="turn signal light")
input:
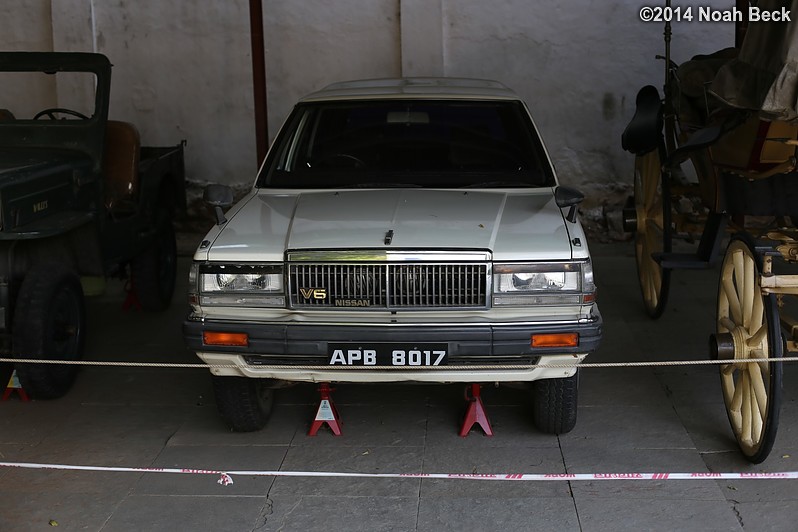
column 555, row 340
column 225, row 338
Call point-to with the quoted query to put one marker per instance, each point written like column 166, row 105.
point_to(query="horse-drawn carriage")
column 725, row 134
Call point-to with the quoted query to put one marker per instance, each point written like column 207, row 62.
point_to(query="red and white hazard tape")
column 226, row 477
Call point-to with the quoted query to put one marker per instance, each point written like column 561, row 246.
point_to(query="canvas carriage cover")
column 764, row 76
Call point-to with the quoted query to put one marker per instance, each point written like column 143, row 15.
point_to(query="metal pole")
column 259, row 79
column 670, row 141
column 667, row 34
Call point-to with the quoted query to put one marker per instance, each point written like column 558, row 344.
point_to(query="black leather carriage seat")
column 121, row 163
column 644, row 132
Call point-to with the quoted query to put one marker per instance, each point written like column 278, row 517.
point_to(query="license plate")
column 391, row 354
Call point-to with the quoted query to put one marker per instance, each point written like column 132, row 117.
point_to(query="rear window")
column 412, row 143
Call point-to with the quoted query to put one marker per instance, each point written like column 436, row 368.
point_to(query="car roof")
column 413, row 88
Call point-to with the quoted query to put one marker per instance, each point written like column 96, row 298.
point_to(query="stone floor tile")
column 360, row 459
column 633, row 427
column 766, row 516
column 506, row 513
column 655, row 514
column 341, row 512
column 48, row 508
column 170, row 513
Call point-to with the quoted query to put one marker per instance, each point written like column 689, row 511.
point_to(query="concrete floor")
column 630, row 420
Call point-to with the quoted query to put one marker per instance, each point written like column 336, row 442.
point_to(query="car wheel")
column 555, row 400
column 154, row 271
column 49, row 322
column 245, row 404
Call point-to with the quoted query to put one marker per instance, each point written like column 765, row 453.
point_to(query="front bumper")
column 477, row 353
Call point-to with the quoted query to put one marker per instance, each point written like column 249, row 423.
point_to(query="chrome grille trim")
column 388, row 255
column 389, row 286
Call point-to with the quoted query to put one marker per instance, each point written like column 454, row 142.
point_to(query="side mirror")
column 219, row 197
column 568, row 197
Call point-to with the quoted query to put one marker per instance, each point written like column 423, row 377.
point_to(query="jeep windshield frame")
column 83, row 135
column 396, row 142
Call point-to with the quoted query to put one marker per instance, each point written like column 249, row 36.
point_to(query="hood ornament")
column 389, row 237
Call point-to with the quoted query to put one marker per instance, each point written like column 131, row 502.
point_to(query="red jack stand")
column 132, row 300
column 326, row 413
column 13, row 384
column 475, row 413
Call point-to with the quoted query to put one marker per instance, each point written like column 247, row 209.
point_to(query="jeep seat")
column 121, row 163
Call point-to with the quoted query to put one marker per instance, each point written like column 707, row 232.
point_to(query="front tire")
column 245, row 404
column 49, row 322
column 555, row 401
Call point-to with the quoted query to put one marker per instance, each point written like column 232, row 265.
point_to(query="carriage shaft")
column 779, row 284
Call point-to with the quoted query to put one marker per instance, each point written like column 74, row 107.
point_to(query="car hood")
column 513, row 225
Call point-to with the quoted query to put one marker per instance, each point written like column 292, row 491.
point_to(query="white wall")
column 25, row 25
column 311, row 43
column 182, row 69
column 578, row 65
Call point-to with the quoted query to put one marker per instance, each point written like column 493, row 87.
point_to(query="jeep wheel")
column 245, row 404
column 6, row 370
column 49, row 322
column 555, row 404
column 154, row 271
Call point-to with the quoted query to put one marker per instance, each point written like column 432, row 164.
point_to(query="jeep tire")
column 154, row 271
column 49, row 322
column 245, row 404
column 554, row 407
column 6, row 370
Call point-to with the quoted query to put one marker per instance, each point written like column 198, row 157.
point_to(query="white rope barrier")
column 226, row 477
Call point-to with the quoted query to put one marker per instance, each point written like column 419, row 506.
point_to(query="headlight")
column 242, row 282
column 565, row 283
column 253, row 285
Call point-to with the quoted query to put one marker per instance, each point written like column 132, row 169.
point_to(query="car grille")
column 388, row 286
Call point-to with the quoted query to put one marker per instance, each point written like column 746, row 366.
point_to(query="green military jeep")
column 80, row 201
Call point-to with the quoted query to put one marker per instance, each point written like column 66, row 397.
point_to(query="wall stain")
column 608, row 106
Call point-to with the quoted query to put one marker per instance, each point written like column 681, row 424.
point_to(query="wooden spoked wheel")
column 653, row 233
column 747, row 328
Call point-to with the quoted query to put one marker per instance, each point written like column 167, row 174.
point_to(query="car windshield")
column 408, row 143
